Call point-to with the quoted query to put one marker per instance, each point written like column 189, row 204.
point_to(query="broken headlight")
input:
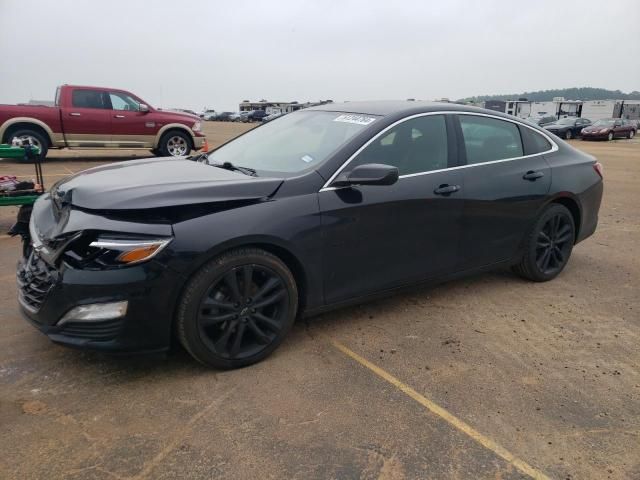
column 112, row 251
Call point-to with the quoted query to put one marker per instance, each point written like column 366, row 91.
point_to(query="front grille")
column 105, row 330
column 35, row 280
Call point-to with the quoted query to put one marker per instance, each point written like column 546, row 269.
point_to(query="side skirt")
column 308, row 313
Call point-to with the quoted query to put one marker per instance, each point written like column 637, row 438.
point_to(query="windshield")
column 566, row 121
column 604, row 123
column 292, row 143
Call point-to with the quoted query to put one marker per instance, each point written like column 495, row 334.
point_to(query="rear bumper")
column 145, row 327
column 590, row 201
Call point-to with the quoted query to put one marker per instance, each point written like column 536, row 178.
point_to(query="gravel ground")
column 431, row 383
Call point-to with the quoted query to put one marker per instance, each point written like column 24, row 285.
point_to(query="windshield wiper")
column 236, row 168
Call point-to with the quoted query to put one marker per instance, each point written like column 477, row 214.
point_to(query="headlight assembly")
column 106, row 252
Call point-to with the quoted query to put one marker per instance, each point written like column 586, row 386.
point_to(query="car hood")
column 159, row 182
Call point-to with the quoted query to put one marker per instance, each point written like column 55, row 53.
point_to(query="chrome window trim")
column 554, row 146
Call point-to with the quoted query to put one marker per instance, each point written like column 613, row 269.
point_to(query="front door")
column 130, row 128
column 87, row 122
column 378, row 237
column 506, row 180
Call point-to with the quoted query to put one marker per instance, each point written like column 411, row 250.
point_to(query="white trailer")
column 544, row 109
column 599, row 109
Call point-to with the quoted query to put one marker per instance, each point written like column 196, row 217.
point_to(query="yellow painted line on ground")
column 465, row 428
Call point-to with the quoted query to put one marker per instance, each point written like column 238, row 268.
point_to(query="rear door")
column 378, row 237
column 86, row 118
column 506, row 179
column 129, row 126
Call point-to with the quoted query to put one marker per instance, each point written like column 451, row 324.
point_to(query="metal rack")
column 23, row 197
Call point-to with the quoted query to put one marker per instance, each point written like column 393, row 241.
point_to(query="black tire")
column 175, row 143
column 38, row 139
column 208, row 297
column 568, row 135
column 548, row 245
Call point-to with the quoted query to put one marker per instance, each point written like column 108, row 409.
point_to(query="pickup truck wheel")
column 175, row 144
column 34, row 138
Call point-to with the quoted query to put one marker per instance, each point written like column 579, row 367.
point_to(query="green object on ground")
column 8, row 151
column 18, row 200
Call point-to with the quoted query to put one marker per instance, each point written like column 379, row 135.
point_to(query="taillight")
column 598, row 168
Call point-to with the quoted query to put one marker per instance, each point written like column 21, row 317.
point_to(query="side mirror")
column 368, row 174
column 144, row 108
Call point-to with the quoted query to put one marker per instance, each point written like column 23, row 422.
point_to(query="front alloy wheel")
column 175, row 144
column 610, row 136
column 568, row 135
column 548, row 245
column 237, row 309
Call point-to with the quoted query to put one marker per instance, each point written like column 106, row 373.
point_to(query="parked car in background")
column 257, row 115
column 97, row 117
column 245, row 116
column 568, row 128
column 273, row 116
column 235, row 117
column 224, row 116
column 328, row 206
column 209, row 115
column 184, row 110
column 542, row 121
column 608, row 129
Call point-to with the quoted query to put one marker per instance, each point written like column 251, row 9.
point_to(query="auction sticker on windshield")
column 358, row 119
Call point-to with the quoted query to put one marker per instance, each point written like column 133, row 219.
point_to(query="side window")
column 414, row 146
column 122, row 101
column 533, row 142
column 487, row 139
column 89, row 99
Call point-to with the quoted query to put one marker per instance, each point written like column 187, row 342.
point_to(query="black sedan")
column 318, row 209
column 569, row 127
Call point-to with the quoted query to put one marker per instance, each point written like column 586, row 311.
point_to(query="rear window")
column 489, row 139
column 533, row 142
column 89, row 99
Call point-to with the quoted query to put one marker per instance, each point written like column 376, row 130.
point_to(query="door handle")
column 532, row 175
column 118, row 116
column 74, row 114
column 446, row 189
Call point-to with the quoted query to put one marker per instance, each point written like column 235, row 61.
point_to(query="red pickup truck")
column 95, row 117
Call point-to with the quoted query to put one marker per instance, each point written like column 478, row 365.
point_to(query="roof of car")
column 388, row 107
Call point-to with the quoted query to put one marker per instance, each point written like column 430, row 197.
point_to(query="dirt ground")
column 489, row 377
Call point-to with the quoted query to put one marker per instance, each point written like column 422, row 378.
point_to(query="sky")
column 196, row 54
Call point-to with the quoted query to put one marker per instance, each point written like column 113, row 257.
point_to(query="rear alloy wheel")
column 175, row 144
column 610, row 136
column 237, row 309
column 568, row 135
column 548, row 245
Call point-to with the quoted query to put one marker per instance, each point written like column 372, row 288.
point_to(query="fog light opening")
column 95, row 312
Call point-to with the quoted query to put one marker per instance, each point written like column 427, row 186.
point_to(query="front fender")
column 173, row 126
